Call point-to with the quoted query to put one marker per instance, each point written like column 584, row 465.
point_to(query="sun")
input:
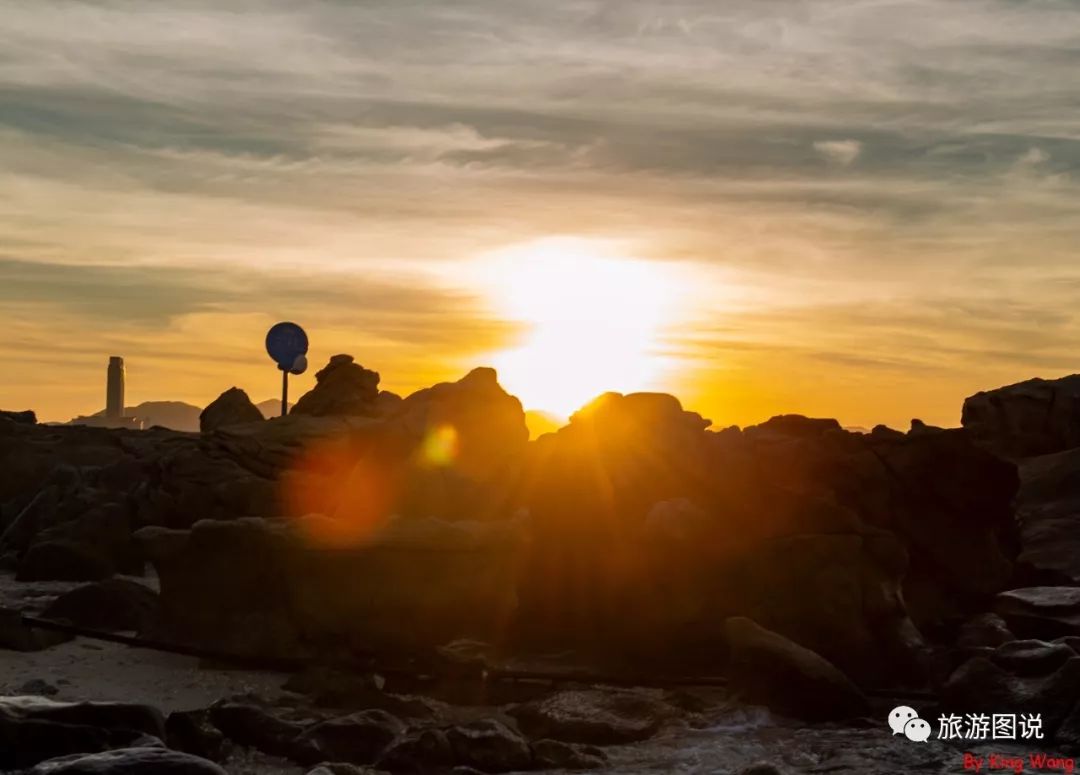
column 591, row 318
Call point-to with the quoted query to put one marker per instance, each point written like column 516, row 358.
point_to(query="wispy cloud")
column 184, row 160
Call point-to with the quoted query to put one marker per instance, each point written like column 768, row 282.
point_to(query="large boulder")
column 233, row 407
column 1036, row 417
column 356, row 739
column 1041, row 612
column 489, row 745
column 63, row 561
column 769, row 669
column 261, row 587
column 112, row 605
column 1048, row 510
column 342, row 388
column 33, row 729
column 486, row 425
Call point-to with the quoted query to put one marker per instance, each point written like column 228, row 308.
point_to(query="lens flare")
column 440, row 446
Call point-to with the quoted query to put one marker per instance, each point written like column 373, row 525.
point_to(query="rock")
column 129, row 761
column 919, row 428
column 794, row 425
column 112, row 605
column 192, row 732
column 233, row 407
column 33, row 729
column 247, row 723
column 16, row 635
column 1044, row 613
column 885, row 433
column 39, row 688
column 981, row 686
column 1068, row 734
column 419, row 750
column 1036, row 417
column 951, row 504
column 253, row 586
column 489, row 746
column 1048, row 510
column 760, row 768
column 983, row 631
column 769, row 669
column 1031, row 657
column 347, row 689
column 342, row 388
column 488, row 422
column 556, row 755
column 341, row 768
column 26, row 417
column 62, row 561
column 356, row 739
column 594, row 716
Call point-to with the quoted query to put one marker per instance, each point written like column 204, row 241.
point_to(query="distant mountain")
column 176, row 415
column 542, row 422
column 271, row 407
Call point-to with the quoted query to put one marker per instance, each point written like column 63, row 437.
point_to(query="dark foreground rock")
column 258, row 587
column 596, row 717
column 769, row 669
column 112, row 605
column 1049, row 689
column 63, row 561
column 1043, row 613
column 359, row 738
column 489, row 746
column 16, row 635
column 129, row 761
column 34, row 729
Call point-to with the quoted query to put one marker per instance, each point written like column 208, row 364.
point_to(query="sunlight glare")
column 592, row 321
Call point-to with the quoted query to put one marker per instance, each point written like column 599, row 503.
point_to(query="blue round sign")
column 285, row 342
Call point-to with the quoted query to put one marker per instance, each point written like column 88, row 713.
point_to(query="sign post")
column 287, row 345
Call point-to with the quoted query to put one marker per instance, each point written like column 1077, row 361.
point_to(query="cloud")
column 171, row 165
column 842, row 152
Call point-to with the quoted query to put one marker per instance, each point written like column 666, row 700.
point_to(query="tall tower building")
column 114, row 396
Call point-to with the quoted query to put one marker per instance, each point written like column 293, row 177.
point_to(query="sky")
column 848, row 208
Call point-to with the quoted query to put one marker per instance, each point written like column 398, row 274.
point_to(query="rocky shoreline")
column 822, row 571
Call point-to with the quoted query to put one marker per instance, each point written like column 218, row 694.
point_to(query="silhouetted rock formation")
column 1036, row 417
column 1048, row 510
column 923, row 518
column 25, row 418
column 233, row 407
column 634, row 532
column 342, row 388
